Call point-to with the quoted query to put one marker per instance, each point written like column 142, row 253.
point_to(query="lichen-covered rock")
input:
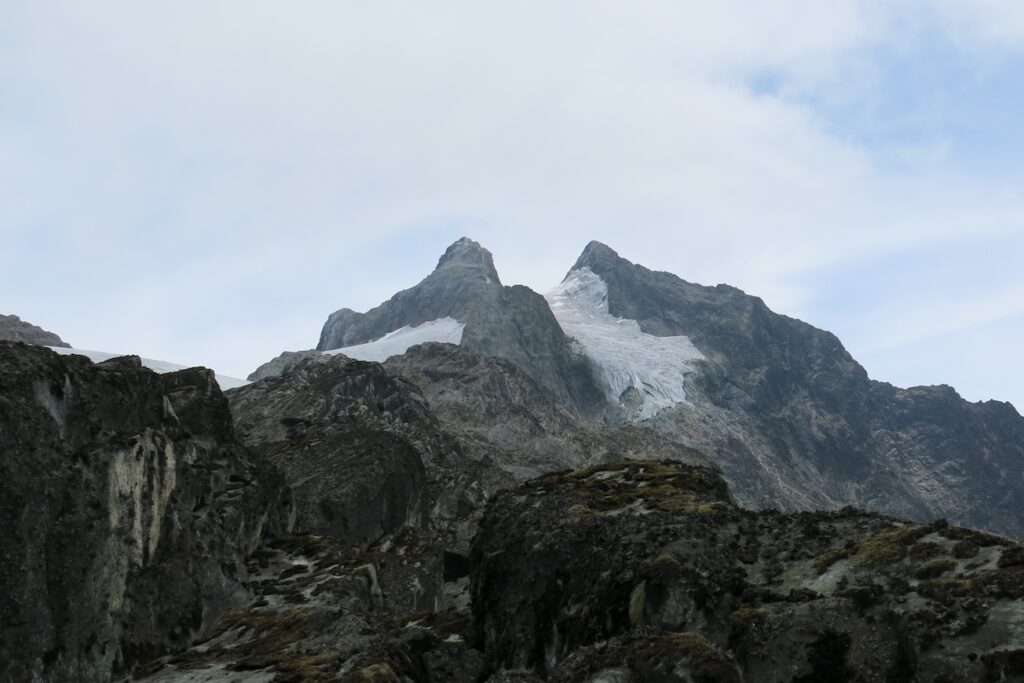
column 324, row 613
column 665, row 658
column 127, row 508
column 645, row 551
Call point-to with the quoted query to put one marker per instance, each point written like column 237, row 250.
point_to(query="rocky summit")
column 514, row 323
column 13, row 328
column 632, row 478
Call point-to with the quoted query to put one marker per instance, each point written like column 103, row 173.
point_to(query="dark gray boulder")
column 128, row 508
column 13, row 328
column 513, row 323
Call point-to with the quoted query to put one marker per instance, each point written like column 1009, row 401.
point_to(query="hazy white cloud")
column 205, row 182
column 977, row 22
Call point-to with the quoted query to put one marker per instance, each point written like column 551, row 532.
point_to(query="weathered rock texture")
column 794, row 421
column 514, row 323
column 321, row 613
column 647, row 571
column 128, row 508
column 366, row 455
column 501, row 415
column 13, row 328
column 283, row 363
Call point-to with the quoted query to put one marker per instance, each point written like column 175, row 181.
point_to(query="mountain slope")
column 795, row 422
column 792, row 420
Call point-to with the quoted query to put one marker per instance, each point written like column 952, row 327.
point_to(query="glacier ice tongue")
column 446, row 330
column 627, row 358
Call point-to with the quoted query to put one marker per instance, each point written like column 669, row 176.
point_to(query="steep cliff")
column 128, row 510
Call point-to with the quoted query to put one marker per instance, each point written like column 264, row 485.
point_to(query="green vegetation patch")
column 925, row 550
column 934, row 569
column 888, row 547
column 828, row 558
column 664, row 486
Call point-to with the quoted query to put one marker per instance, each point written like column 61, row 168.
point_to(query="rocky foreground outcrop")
column 647, row 571
column 127, row 509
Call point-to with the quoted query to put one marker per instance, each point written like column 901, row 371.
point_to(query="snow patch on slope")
column 445, row 330
column 159, row 366
column 633, row 365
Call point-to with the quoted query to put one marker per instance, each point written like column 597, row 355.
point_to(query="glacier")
column 446, row 330
column 625, row 356
column 159, row 366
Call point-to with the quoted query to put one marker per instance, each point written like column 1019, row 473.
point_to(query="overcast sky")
column 204, row 182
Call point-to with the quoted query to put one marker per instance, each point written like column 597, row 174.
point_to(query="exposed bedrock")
column 647, row 571
column 128, row 508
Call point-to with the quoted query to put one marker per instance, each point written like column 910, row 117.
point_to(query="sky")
column 204, row 182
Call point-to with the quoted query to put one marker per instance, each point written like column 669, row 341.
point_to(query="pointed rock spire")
column 594, row 255
column 465, row 256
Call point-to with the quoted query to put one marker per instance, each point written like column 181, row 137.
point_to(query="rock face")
column 128, row 510
column 648, row 571
column 794, row 421
column 282, row 364
column 345, row 433
column 500, row 414
column 13, row 328
column 514, row 323
column 370, row 462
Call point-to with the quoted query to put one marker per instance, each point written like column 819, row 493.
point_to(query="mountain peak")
column 594, row 254
column 466, row 255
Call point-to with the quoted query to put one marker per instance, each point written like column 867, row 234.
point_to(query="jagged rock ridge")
column 13, row 328
column 514, row 323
